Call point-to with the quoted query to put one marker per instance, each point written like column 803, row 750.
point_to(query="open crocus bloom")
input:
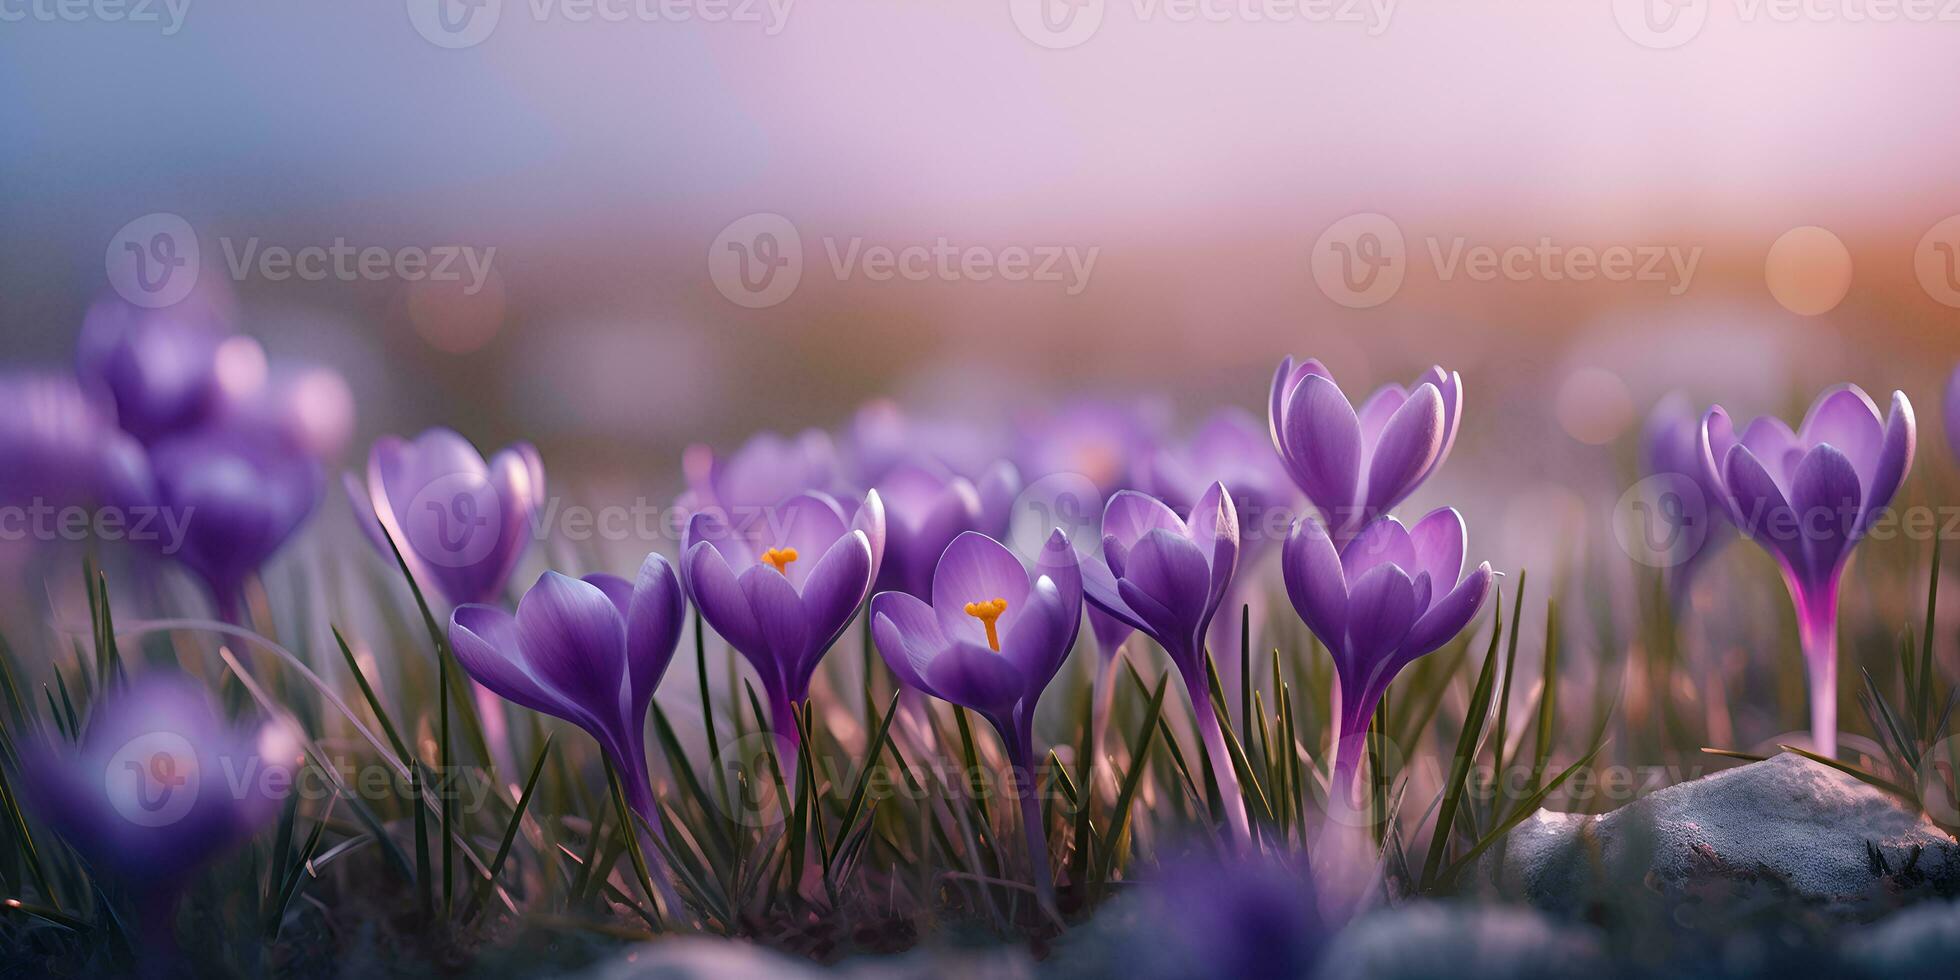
column 993, row 637
column 782, row 587
column 241, row 496
column 1807, row 497
column 590, row 651
column 1356, row 464
column 1389, row 596
column 461, row 523
column 765, row 470
column 1165, row 577
column 926, row 507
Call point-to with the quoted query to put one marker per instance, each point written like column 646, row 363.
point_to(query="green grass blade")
column 516, row 823
column 373, row 702
column 1139, row 759
column 1466, row 744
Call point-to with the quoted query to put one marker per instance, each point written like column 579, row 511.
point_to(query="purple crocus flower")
column 1683, row 525
column 1388, row 597
column 991, row 640
column 1165, row 576
column 590, row 651
column 1097, row 440
column 883, row 436
column 766, row 470
column 1356, row 464
column 239, row 496
column 461, row 523
column 161, row 369
column 158, row 787
column 780, row 589
column 926, row 507
column 1807, row 497
column 1951, row 412
column 1249, row 917
column 58, row 447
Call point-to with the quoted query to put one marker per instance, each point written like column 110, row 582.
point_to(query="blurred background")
column 1138, row 199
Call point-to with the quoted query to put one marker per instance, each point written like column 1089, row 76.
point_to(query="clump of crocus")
column 782, row 587
column 1683, row 524
column 158, row 787
column 1807, row 497
column 1356, row 464
column 461, row 523
column 590, row 651
column 991, row 640
column 1165, row 576
column 1387, row 597
column 240, row 494
column 926, row 507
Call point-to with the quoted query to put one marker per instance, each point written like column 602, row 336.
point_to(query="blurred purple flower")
column 462, row 524
column 765, row 471
column 1692, row 525
column 240, row 495
column 1388, row 597
column 882, row 436
column 991, row 640
column 59, row 447
column 782, row 587
column 1097, row 440
column 1165, row 577
column 926, row 507
column 590, row 651
column 1251, row 917
column 159, row 368
column 1807, row 497
column 159, row 786
column 1355, row 465
column 1951, row 412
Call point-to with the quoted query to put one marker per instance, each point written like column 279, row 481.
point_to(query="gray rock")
column 1922, row 941
column 1463, row 942
column 1803, row 822
column 702, row 957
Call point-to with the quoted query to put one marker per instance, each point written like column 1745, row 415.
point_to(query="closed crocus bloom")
column 1807, row 497
column 59, row 447
column 782, row 587
column 461, row 523
column 992, row 638
column 1684, row 523
column 590, row 651
column 1165, row 577
column 161, row 369
column 158, row 787
column 1387, row 597
column 1951, row 412
column 239, row 497
column 926, row 507
column 1355, row 464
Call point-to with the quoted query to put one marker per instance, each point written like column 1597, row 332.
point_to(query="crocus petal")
column 484, row 639
column 976, row 677
column 1314, row 580
column 1130, row 515
column 1825, row 496
column 1409, row 444
column 1381, row 609
column 907, row 634
column 780, row 624
column 1713, row 442
column 976, row 568
column 1378, row 409
column 808, row 523
column 1060, row 563
column 1321, row 445
column 998, row 488
column 1894, row 459
column 654, row 616
column 1041, row 639
column 1383, row 542
column 1449, row 615
column 719, row 598
column 1214, row 528
column 869, row 520
column 1103, row 589
column 1845, row 418
column 1170, row 569
column 831, row 596
column 1438, row 541
column 1761, row 511
column 1776, row 447
column 574, row 640
column 617, row 589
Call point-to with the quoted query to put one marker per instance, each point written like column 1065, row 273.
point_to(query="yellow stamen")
column 780, row 557
column 989, row 613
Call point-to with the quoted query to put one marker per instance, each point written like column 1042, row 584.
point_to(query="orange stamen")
column 989, row 613
column 780, row 558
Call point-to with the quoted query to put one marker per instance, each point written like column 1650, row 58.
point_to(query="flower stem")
column 1820, row 657
column 1221, row 765
column 1020, row 746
